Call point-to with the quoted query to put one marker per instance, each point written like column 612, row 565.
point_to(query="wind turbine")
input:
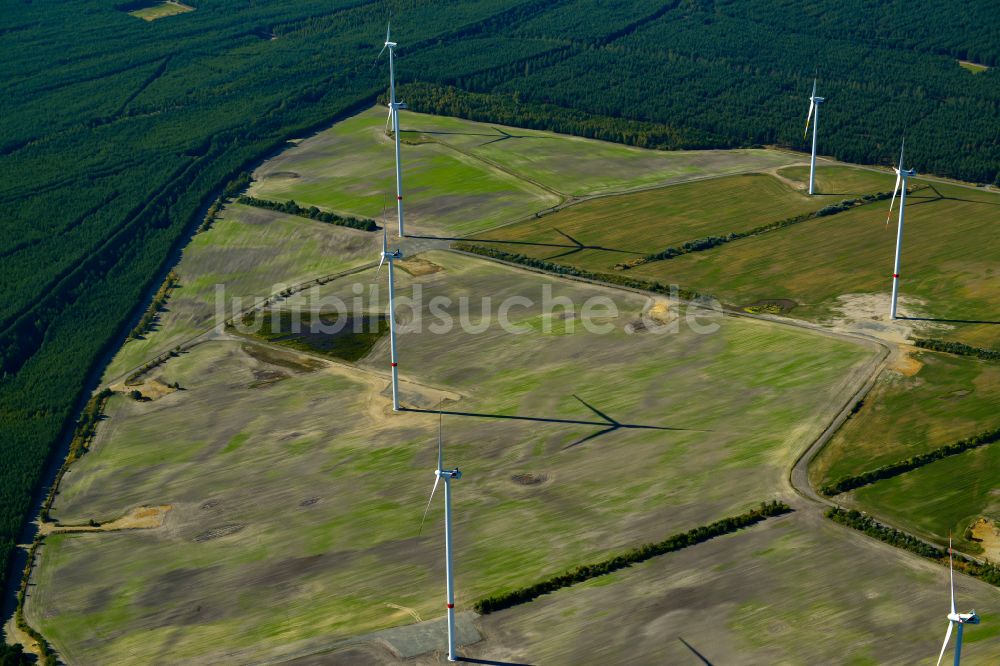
column 393, row 118
column 814, row 103
column 961, row 619
column 901, row 176
column 448, row 475
column 391, row 257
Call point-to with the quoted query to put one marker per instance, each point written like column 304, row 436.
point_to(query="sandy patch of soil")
column 138, row 518
column 151, row 389
column 986, row 532
column 904, row 363
column 869, row 314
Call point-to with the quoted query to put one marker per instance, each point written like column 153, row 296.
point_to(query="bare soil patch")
column 151, row 389
column 138, row 518
column 904, row 363
column 986, row 532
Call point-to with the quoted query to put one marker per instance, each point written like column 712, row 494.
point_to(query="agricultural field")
column 158, row 10
column 274, row 489
column 809, row 593
column 600, row 233
column 281, row 473
column 462, row 176
column 829, row 268
column 252, row 253
column 928, row 401
column 948, row 496
column 349, row 169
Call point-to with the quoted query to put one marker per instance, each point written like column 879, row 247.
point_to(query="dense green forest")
column 116, row 132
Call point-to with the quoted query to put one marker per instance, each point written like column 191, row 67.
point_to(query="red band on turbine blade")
column 399, row 198
column 451, row 605
column 394, row 365
column 895, row 275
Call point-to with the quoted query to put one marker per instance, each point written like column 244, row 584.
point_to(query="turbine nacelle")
column 964, row 618
column 450, row 474
column 390, row 45
column 817, row 100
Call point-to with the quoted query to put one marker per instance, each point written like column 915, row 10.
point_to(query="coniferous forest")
column 117, row 132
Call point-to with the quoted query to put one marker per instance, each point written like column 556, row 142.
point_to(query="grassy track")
column 304, row 485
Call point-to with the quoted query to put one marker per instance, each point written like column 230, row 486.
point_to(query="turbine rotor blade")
column 947, row 637
column 812, row 105
column 895, row 190
column 951, row 573
column 388, row 25
column 428, row 508
column 440, row 454
column 375, row 62
column 389, row 119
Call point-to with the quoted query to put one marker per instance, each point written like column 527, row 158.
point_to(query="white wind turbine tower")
column 391, row 257
column 901, row 176
column 448, row 475
column 814, row 104
column 961, row 619
column 393, row 118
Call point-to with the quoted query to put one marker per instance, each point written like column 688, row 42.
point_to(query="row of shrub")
column 559, row 269
column 911, row 463
column 634, row 556
column 159, row 300
column 985, row 571
column 86, row 428
column 313, row 213
column 708, row 242
column 957, row 348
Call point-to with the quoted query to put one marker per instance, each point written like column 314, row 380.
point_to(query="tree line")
column 708, row 242
column 957, row 348
column 313, row 213
column 911, row 463
column 632, row 556
column 862, row 522
column 655, row 287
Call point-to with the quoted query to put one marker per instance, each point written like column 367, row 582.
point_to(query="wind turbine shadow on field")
column 951, row 321
column 700, row 656
column 940, row 197
column 576, row 247
column 607, row 423
column 492, row 662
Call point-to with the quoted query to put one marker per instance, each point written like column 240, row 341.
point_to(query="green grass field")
column 307, row 492
column 161, row 10
column 575, row 166
column 617, row 229
column 461, row 176
column 349, row 169
column 947, row 496
column 252, row 253
column 949, row 398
